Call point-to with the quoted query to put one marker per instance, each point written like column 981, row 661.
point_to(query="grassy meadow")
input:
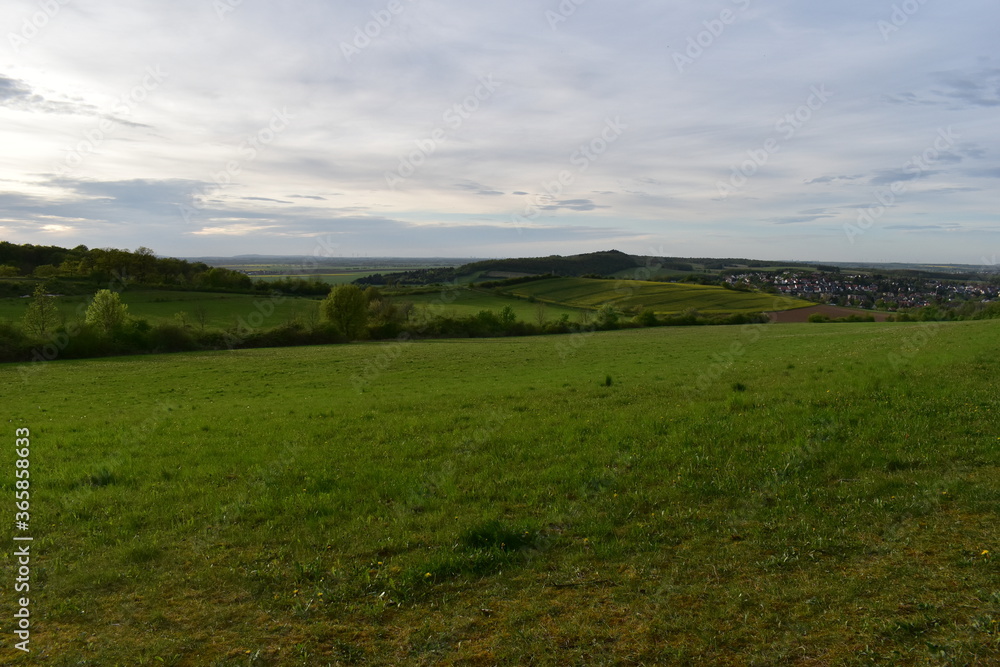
column 665, row 298
column 463, row 302
column 216, row 310
column 332, row 278
column 771, row 494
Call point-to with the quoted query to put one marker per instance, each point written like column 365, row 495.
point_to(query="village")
column 869, row 291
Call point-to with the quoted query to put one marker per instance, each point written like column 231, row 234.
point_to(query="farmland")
column 660, row 297
column 209, row 309
column 798, row 494
column 544, row 301
column 332, row 278
column 465, row 301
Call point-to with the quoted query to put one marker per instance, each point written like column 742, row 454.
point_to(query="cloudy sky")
column 856, row 130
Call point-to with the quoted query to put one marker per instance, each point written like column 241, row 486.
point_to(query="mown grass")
column 608, row 498
column 665, row 298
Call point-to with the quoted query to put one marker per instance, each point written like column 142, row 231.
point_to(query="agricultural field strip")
column 661, row 297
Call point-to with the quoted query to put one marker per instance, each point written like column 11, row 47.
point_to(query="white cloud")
column 410, row 95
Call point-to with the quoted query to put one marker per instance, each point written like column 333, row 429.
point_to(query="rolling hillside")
column 661, row 297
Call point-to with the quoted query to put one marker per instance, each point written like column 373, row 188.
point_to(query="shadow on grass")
column 480, row 550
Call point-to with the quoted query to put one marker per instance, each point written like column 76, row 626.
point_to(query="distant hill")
column 661, row 298
column 603, row 263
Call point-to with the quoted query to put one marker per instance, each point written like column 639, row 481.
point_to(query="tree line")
column 140, row 267
column 348, row 313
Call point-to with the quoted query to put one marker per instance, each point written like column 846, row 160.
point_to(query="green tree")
column 507, row 316
column 46, row 271
column 143, row 261
column 607, row 317
column 347, row 310
column 540, row 314
column 42, row 315
column 106, row 312
column 9, row 271
column 647, row 318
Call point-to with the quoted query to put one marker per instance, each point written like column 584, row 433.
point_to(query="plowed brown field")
column 802, row 314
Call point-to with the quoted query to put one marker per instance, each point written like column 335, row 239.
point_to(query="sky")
column 857, row 130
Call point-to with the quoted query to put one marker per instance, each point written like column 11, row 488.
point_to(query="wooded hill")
column 604, row 263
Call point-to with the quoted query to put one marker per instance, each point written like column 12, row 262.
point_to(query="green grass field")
column 332, row 278
column 463, row 302
column 220, row 310
column 666, row 298
column 793, row 494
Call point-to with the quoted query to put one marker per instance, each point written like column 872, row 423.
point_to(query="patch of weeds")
column 495, row 534
column 898, row 465
column 102, row 477
column 597, row 485
column 143, row 554
column 480, row 550
column 349, row 653
column 312, row 571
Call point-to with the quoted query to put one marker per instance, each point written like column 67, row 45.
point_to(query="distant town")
column 869, row 291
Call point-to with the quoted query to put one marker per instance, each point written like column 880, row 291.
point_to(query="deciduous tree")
column 42, row 315
column 106, row 312
column 347, row 310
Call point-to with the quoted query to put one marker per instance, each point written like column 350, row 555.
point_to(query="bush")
column 169, row 337
column 14, row 344
column 347, row 310
column 86, row 341
column 647, row 318
column 607, row 317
